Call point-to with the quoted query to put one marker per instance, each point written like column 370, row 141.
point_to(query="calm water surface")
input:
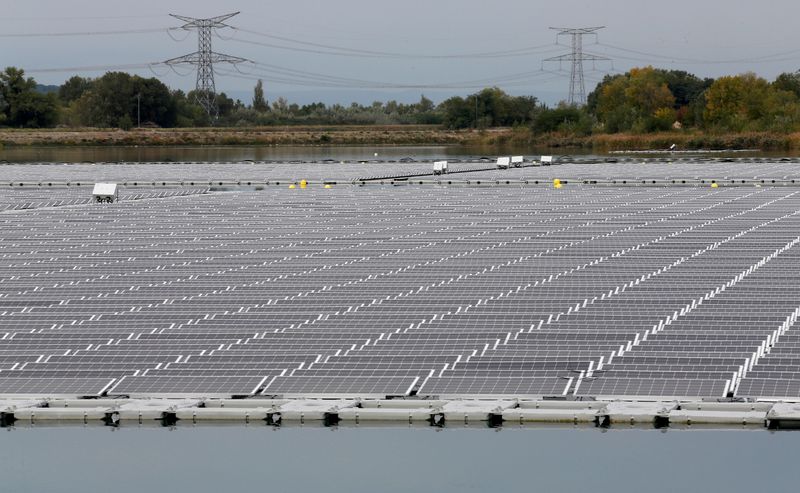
column 241, row 153
column 450, row 460
column 238, row 153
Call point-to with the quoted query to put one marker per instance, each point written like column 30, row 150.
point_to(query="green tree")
column 280, row 105
column 458, row 112
column 118, row 97
column 782, row 112
column 188, row 112
column 157, row 104
column 259, row 103
column 788, row 82
column 3, row 108
column 425, row 105
column 22, row 105
column 685, row 87
column 73, row 88
column 610, row 105
column 564, row 118
column 634, row 101
column 737, row 102
column 490, row 107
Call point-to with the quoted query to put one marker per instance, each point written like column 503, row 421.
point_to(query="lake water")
column 386, row 460
column 241, row 153
column 231, row 153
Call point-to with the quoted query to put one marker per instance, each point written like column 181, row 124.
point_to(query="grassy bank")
column 261, row 136
column 684, row 140
column 395, row 135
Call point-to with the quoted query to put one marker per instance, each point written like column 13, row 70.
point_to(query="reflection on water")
column 393, row 460
column 99, row 154
column 243, row 153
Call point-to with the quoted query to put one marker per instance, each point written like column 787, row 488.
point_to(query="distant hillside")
column 46, row 89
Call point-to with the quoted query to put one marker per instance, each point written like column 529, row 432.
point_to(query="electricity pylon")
column 577, row 84
column 205, row 58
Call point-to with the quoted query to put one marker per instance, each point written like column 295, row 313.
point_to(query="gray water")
column 386, row 460
column 235, row 153
column 99, row 154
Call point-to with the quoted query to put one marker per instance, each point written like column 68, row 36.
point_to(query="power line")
column 93, row 68
column 205, row 58
column 577, row 84
column 776, row 57
column 284, row 75
column 83, row 33
column 82, row 18
column 309, row 83
column 344, row 51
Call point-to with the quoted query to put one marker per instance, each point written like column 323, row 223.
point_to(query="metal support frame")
column 577, row 83
column 205, row 58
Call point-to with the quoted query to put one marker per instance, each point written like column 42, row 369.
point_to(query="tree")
column 736, row 102
column 782, row 112
column 425, row 105
column 609, row 103
column 73, row 89
column 259, row 103
column 280, row 105
column 188, row 112
column 685, row 87
column 156, row 102
column 457, row 112
column 118, row 97
column 563, row 118
column 788, row 82
column 490, row 107
column 22, row 105
column 634, row 101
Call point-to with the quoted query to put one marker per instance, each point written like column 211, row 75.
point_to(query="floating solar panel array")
column 35, row 198
column 627, row 170
column 650, row 171
column 410, row 291
column 161, row 174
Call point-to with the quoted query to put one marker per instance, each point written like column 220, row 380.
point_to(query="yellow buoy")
column 714, row 185
column 557, row 183
column 303, row 184
column 292, row 186
column 328, row 186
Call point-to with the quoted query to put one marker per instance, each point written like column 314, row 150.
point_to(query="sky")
column 365, row 50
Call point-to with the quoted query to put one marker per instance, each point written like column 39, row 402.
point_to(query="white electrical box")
column 105, row 192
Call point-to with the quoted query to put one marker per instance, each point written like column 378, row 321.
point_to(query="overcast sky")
column 709, row 38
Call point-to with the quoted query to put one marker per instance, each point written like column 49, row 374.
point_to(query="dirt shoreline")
column 393, row 135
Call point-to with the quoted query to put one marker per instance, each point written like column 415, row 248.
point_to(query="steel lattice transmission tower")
column 577, row 84
column 205, row 58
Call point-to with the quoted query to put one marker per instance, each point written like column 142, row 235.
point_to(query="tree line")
column 642, row 100
column 122, row 100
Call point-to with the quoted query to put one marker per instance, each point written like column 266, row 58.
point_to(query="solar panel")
column 331, row 386
column 55, row 386
column 142, row 386
column 364, row 291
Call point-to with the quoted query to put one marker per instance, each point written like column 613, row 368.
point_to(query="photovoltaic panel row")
column 406, row 292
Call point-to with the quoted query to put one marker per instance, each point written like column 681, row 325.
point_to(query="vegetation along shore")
column 398, row 135
column 644, row 109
